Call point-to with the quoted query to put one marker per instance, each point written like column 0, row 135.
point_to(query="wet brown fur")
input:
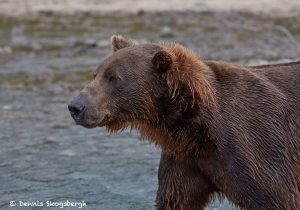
column 224, row 129
column 196, row 81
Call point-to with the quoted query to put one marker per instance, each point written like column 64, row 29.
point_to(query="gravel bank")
column 273, row 7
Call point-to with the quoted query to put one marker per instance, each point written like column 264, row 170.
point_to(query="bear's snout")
column 86, row 114
column 76, row 109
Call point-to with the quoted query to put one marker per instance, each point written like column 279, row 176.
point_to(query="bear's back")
column 259, row 123
column 285, row 76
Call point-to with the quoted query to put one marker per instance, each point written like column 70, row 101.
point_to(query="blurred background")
column 48, row 52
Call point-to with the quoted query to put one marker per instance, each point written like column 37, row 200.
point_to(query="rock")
column 36, row 46
column 7, row 107
column 55, row 89
column 140, row 12
column 166, row 32
column 7, row 49
column 103, row 44
column 17, row 36
column 91, row 43
column 88, row 43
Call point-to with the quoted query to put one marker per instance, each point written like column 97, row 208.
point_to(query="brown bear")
column 224, row 129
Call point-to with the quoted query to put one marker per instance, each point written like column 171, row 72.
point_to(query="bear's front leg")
column 181, row 185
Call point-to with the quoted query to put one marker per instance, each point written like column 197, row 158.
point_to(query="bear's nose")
column 76, row 108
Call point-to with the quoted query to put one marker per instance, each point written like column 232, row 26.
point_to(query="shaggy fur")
column 224, row 129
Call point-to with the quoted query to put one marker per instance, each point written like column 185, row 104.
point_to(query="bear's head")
column 150, row 87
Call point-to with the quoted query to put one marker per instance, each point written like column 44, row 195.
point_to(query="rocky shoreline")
column 31, row 7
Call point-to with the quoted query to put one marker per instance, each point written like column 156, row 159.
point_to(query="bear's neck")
column 185, row 122
column 183, row 137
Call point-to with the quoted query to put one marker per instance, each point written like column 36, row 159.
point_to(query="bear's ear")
column 118, row 42
column 162, row 61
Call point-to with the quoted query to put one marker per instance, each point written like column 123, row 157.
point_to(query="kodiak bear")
column 224, row 129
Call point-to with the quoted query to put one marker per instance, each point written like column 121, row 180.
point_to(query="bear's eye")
column 111, row 78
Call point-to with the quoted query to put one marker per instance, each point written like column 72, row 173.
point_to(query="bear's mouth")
column 86, row 125
column 92, row 122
